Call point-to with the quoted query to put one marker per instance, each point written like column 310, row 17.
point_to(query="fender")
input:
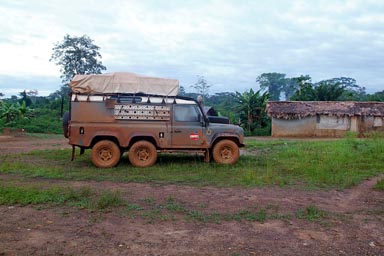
column 224, row 135
column 138, row 134
column 86, row 139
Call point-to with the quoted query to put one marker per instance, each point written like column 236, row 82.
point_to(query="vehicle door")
column 187, row 128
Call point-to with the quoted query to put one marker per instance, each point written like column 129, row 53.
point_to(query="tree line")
column 79, row 55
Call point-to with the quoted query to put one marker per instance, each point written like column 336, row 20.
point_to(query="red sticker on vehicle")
column 194, row 136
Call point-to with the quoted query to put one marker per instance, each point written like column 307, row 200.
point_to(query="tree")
column 303, row 88
column 12, row 111
column 77, row 55
column 274, row 83
column 335, row 89
column 251, row 106
column 59, row 97
column 8, row 111
column 1, row 94
column 377, row 96
column 32, row 94
column 223, row 103
column 182, row 91
column 328, row 91
column 25, row 98
column 202, row 86
column 352, row 91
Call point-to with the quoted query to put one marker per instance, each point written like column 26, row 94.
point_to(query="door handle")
column 177, row 131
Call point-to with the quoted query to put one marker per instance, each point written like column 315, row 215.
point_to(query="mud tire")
column 105, row 154
column 65, row 123
column 226, row 152
column 142, row 154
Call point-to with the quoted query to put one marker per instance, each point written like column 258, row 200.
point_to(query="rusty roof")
column 300, row 109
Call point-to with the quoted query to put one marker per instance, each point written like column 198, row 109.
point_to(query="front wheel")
column 105, row 154
column 142, row 154
column 226, row 152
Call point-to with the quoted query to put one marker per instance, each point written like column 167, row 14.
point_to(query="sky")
column 230, row 43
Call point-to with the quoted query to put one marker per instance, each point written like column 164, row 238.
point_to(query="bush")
column 40, row 121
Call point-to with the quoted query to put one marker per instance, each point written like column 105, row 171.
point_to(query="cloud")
column 229, row 42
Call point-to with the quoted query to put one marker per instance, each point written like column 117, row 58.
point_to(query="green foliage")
column 251, row 107
column 8, row 111
column 277, row 84
column 327, row 91
column 32, row 119
column 13, row 112
column 25, row 99
column 311, row 213
column 77, row 55
column 377, row 96
column 108, row 200
column 335, row 89
column 223, row 103
column 274, row 83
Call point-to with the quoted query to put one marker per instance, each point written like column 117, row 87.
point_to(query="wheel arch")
column 104, row 137
column 146, row 138
column 220, row 138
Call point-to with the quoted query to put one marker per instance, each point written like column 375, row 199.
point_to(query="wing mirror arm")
column 203, row 120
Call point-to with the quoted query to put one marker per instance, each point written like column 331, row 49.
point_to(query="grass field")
column 307, row 164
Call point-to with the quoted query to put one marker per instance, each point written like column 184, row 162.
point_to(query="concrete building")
column 325, row 118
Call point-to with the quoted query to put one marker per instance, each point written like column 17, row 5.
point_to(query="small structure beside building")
column 325, row 118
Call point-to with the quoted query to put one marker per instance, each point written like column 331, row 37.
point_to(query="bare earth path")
column 354, row 224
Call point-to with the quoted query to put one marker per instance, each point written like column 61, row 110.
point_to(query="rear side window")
column 127, row 99
column 185, row 113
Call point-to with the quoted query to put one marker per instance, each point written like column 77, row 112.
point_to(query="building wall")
column 371, row 124
column 304, row 127
column 326, row 126
column 332, row 126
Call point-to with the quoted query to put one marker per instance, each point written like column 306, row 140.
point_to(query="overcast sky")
column 230, row 43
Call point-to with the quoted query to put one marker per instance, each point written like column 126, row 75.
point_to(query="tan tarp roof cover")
column 123, row 83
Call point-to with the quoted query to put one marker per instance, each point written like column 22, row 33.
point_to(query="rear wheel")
column 226, row 152
column 142, row 154
column 105, row 154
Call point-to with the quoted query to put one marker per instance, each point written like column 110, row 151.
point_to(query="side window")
column 185, row 113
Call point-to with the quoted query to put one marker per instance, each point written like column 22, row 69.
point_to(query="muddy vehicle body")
column 145, row 124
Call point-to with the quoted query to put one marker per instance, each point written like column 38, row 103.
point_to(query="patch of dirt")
column 25, row 143
column 354, row 224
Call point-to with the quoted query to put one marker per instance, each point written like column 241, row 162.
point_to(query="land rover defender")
column 124, row 112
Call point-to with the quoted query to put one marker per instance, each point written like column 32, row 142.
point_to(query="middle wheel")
column 142, row 154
